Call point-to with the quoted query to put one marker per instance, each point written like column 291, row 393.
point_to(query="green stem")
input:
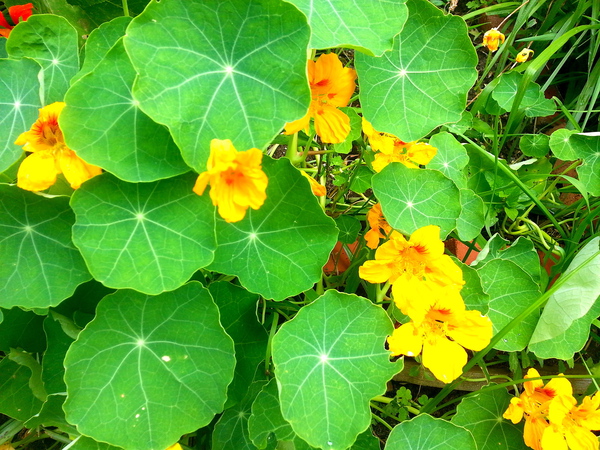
column 381, row 421
column 9, row 429
column 269, row 343
column 125, row 8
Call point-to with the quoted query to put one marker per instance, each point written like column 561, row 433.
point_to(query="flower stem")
column 125, row 8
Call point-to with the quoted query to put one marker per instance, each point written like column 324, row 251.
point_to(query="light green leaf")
column 330, row 361
column 87, row 443
column 145, row 360
column 279, row 250
column 451, row 158
column 472, row 291
column 238, row 316
column 52, row 42
column 426, row 433
column 16, row 399
column 511, row 291
column 148, row 236
column 587, row 148
column 481, row 414
column 41, row 266
column 368, row 25
column 423, row 82
column 472, row 216
column 575, row 297
column 207, row 78
column 362, row 179
column 464, row 124
column 22, row 329
column 561, row 145
column 534, row 103
column 52, row 415
column 19, row 104
column 105, row 126
column 35, row 380
column 349, row 228
column 534, row 145
column 413, row 198
column 100, row 42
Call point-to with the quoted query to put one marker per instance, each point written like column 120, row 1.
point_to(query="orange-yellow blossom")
column 237, row 181
column 391, row 149
column 571, row 425
column 317, row 188
column 17, row 13
column 492, row 39
column 443, row 334
column 380, row 229
column 331, row 86
column 175, row 446
column 49, row 154
column 524, row 55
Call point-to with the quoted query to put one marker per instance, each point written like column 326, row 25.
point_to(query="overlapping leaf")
column 149, row 369
column 472, row 216
column 570, row 146
column 369, row 26
column 425, row 433
column 451, row 158
column 41, row 266
column 52, row 42
column 330, row 361
column 147, row 236
column 16, row 398
column 19, row 104
column 279, row 250
column 105, row 126
column 423, row 81
column 217, row 69
column 533, row 103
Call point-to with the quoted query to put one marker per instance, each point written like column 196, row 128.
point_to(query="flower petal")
column 406, row 340
column 473, row 331
column 37, row 172
column 331, row 124
column 75, row 169
column 444, row 358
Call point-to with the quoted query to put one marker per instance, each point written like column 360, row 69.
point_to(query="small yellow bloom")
column 331, row 86
column 391, row 149
column 49, row 154
column 317, row 188
column 492, row 39
column 524, row 55
column 446, row 330
column 237, row 181
column 175, row 446
column 380, row 229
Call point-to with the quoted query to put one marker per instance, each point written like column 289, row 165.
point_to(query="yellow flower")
column 571, row 425
column 391, row 149
column 175, row 446
column 492, row 39
column 524, row 55
column 379, row 226
column 331, row 86
column 317, row 188
column 447, row 328
column 237, row 181
column 49, row 154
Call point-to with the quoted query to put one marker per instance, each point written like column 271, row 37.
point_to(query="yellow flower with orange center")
column 237, row 181
column 379, row 226
column 331, row 86
column 492, row 39
column 523, row 55
column 391, row 149
column 49, row 154
column 442, row 336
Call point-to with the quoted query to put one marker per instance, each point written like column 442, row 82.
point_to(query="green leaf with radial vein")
column 150, row 237
column 368, row 25
column 145, row 360
column 587, row 148
column 105, row 126
column 472, row 216
column 330, row 360
column 451, row 158
column 19, row 104
column 413, row 198
column 279, row 250
column 482, row 413
column 100, row 42
column 424, row 80
column 16, row 398
column 534, row 104
column 40, row 265
column 52, row 42
column 207, row 78
column 426, row 433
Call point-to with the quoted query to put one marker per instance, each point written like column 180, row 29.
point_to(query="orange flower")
column 523, row 55
column 331, row 86
column 237, row 181
column 317, row 188
column 17, row 13
column 379, row 226
column 50, row 155
column 571, row 425
column 492, row 39
column 391, row 149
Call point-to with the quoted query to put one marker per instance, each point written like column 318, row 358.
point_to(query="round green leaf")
column 451, row 158
column 40, row 266
column 279, row 250
column 413, row 198
column 561, row 145
column 19, row 104
column 534, row 103
column 148, row 236
column 472, row 216
column 52, row 42
column 534, row 145
column 330, row 361
column 105, row 126
column 426, row 433
column 587, row 148
column 424, row 80
column 481, row 414
column 366, row 25
column 208, row 78
column 16, row 398
column 349, row 228
column 148, row 369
